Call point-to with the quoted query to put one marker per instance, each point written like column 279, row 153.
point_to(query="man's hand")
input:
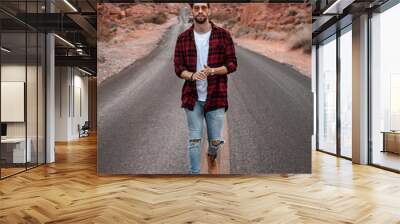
column 208, row 71
column 201, row 75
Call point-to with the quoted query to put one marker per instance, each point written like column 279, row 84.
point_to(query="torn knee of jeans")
column 194, row 141
column 215, row 142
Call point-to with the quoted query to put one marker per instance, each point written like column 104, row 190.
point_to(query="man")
column 204, row 56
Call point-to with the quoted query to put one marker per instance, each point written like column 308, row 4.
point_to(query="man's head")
column 200, row 12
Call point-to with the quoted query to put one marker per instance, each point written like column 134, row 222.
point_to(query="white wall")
column 62, row 80
column 80, row 97
column 15, row 72
column 70, row 83
column 33, row 127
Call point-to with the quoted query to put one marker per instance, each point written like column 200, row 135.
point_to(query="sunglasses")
column 197, row 8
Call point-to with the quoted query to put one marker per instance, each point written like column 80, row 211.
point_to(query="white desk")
column 19, row 149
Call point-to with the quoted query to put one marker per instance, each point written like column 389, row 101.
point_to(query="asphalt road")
column 142, row 129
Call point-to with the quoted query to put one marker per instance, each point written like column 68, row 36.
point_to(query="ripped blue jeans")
column 215, row 123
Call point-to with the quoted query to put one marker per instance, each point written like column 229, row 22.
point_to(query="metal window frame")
column 44, row 75
column 381, row 9
column 387, row 5
column 339, row 32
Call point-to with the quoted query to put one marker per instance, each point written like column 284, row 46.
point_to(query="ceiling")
column 332, row 15
column 74, row 22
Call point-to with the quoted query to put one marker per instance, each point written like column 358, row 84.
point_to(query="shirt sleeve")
column 179, row 61
column 231, row 62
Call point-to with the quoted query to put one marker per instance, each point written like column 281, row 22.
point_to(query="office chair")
column 84, row 130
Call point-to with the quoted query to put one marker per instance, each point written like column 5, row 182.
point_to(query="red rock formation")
column 116, row 18
column 267, row 21
column 279, row 31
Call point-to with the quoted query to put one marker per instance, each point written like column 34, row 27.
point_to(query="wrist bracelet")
column 191, row 77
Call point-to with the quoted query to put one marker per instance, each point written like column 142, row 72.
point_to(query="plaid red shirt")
column 221, row 52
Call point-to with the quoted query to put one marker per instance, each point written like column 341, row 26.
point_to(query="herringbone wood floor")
column 70, row 191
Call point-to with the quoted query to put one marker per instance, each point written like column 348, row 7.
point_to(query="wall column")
column 360, row 90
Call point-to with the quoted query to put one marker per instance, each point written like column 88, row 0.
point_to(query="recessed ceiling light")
column 70, row 5
column 64, row 40
column 5, row 49
column 86, row 72
column 338, row 6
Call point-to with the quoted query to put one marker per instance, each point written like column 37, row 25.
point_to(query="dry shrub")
column 301, row 38
column 101, row 59
column 243, row 31
column 259, row 27
column 106, row 30
column 158, row 18
column 138, row 21
column 274, row 36
column 230, row 23
column 291, row 12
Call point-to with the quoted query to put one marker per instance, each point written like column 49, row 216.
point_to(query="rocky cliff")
column 275, row 22
column 119, row 18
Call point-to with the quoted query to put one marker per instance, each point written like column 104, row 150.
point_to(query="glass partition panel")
column 14, row 153
column 385, row 89
column 346, row 92
column 327, row 95
column 31, row 100
column 41, row 79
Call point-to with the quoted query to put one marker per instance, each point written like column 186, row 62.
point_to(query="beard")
column 200, row 19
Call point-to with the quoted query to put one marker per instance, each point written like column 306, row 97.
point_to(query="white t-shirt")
column 202, row 44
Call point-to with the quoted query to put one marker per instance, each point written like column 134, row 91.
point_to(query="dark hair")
column 191, row 4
